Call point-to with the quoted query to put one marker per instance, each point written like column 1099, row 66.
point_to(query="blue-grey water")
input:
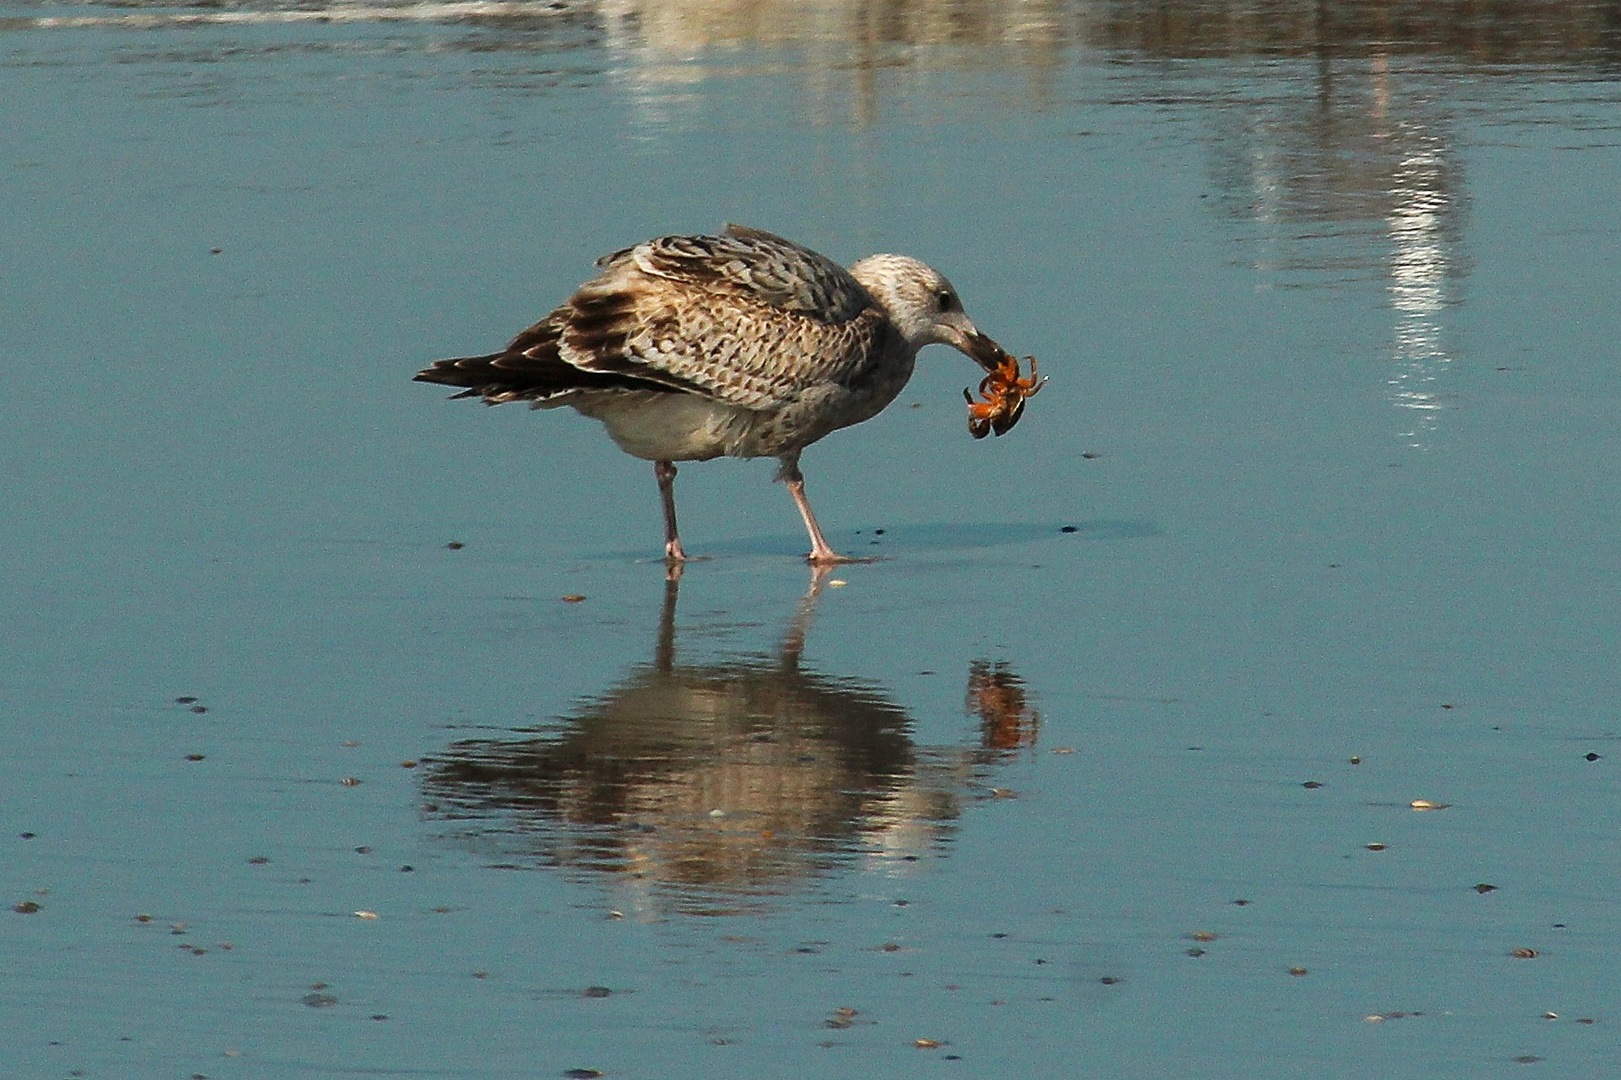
column 1105, row 768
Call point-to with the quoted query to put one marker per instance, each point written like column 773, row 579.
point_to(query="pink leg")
column 665, row 471
column 821, row 553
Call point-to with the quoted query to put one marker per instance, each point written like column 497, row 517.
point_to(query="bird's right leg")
column 821, row 554
column 665, row 471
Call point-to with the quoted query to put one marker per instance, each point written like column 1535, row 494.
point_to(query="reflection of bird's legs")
column 821, row 552
column 664, row 657
column 665, row 471
column 793, row 642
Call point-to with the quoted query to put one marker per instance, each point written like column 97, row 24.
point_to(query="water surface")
column 1326, row 297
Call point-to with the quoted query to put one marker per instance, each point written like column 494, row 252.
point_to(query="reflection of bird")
column 745, row 345
column 709, row 785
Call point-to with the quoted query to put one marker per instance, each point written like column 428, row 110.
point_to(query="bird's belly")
column 660, row 426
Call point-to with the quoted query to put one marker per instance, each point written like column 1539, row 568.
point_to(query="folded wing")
column 746, row 318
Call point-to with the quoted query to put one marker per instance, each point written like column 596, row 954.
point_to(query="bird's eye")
column 947, row 301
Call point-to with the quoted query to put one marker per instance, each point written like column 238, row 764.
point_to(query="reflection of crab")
column 1004, row 393
column 996, row 695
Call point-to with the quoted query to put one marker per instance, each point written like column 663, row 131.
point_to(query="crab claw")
column 1036, row 383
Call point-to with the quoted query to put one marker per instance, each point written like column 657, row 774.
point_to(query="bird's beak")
column 982, row 350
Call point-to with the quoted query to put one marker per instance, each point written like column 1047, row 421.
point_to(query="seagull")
column 689, row 348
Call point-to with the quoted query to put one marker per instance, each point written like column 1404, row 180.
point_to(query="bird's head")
column 924, row 307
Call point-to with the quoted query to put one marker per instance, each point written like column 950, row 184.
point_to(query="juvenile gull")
column 688, row 348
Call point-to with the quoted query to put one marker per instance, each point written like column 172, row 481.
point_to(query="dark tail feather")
column 532, row 367
column 471, row 371
column 507, row 376
column 479, row 374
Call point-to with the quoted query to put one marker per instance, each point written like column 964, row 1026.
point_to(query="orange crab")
column 1004, row 392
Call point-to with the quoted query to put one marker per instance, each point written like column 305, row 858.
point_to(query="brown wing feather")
column 759, row 266
column 746, row 318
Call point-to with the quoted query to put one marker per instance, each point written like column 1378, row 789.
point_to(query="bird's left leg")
column 821, row 552
column 665, row 471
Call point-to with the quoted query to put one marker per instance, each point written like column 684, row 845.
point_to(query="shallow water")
column 1327, row 305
